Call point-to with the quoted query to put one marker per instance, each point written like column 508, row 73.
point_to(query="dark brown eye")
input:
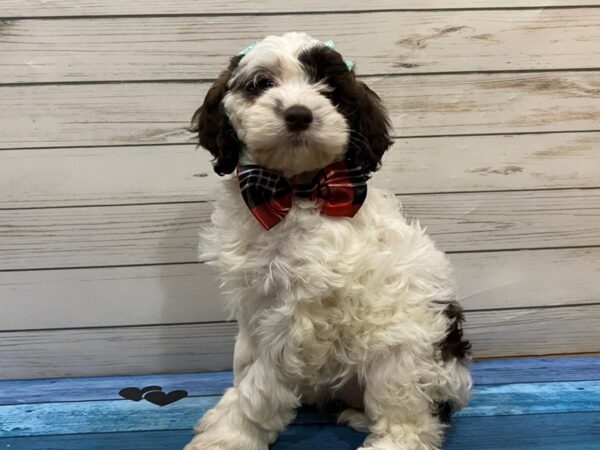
column 265, row 83
column 258, row 85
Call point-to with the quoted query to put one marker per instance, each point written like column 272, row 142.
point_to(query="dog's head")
column 291, row 104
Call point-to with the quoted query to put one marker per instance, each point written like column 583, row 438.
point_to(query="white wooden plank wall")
column 497, row 152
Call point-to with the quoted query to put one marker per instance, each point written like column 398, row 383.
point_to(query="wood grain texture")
column 155, row 113
column 578, row 431
column 539, row 332
column 86, row 417
column 115, row 416
column 49, row 390
column 101, row 236
column 167, row 173
column 527, row 278
column 121, row 415
column 106, row 175
column 119, row 296
column 508, row 220
column 519, row 302
column 571, row 431
column 168, row 233
column 533, row 398
column 118, row 350
column 199, row 347
column 197, row 384
column 534, row 370
column 191, row 48
column 66, row 8
column 110, row 296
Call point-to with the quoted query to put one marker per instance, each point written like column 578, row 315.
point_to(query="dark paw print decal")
column 153, row 394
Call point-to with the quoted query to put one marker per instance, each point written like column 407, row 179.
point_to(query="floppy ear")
column 367, row 118
column 214, row 130
column 369, row 127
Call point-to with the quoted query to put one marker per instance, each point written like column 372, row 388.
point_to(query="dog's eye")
column 265, row 83
column 262, row 84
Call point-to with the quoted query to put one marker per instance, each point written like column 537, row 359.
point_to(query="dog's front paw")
column 226, row 440
column 402, row 441
column 200, row 446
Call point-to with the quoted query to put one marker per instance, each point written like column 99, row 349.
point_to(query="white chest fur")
column 320, row 292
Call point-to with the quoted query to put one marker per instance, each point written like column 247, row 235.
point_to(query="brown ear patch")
column 370, row 129
column 214, row 129
column 454, row 346
column 367, row 118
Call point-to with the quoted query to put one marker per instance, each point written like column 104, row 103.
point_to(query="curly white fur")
column 321, row 300
column 324, row 304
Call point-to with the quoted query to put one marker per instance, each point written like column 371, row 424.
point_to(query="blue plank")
column 575, row 431
column 536, row 370
column 107, row 388
column 533, row 398
column 213, row 383
column 311, row 437
column 146, row 440
column 116, row 415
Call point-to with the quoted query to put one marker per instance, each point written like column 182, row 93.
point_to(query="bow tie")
column 339, row 189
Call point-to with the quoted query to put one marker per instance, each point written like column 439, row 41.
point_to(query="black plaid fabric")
column 340, row 190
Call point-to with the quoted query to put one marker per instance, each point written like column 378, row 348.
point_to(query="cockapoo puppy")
column 336, row 295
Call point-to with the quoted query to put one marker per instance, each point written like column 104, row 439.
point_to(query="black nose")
column 298, row 117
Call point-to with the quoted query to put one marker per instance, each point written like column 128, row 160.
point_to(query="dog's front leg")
column 251, row 414
column 400, row 411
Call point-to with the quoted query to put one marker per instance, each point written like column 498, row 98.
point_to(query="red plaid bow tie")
column 340, row 190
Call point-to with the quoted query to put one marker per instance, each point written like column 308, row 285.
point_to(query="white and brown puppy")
column 323, row 302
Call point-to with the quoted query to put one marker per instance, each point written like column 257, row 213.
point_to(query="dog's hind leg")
column 399, row 404
column 355, row 419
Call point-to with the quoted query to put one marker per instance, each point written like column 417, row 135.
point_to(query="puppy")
column 335, row 293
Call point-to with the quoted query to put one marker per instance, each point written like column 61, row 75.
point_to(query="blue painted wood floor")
column 518, row 404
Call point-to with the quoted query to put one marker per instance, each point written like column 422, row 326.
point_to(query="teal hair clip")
column 247, row 49
column 328, row 43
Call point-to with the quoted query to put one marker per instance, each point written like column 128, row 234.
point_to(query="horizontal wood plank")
column 508, row 220
column 121, row 415
column 192, row 48
column 119, row 296
column 80, row 389
column 101, row 236
column 166, row 173
column 543, row 331
column 120, row 350
column 66, row 8
column 106, row 175
column 200, row 347
column 168, row 233
column 148, row 440
column 570, row 431
column 527, row 278
column 155, row 113
column 197, row 384
column 577, row 431
column 535, row 370
column 110, row 296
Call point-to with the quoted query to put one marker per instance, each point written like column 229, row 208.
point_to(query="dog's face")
column 291, row 104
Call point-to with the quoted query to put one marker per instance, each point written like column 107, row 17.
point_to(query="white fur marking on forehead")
column 273, row 49
column 290, row 43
